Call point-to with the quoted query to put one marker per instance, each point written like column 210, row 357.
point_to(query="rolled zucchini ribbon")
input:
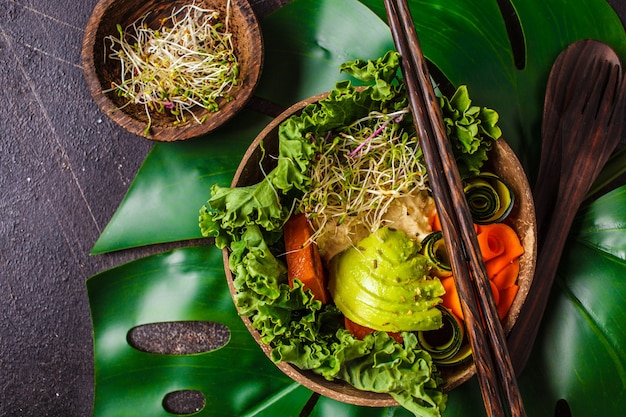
column 490, row 199
column 434, row 248
column 446, row 345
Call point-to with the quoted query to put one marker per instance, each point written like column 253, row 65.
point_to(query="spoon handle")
column 523, row 335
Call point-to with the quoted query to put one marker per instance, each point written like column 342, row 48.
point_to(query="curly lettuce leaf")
column 323, row 33
column 247, row 219
column 231, row 209
column 377, row 363
column 379, row 72
column 258, row 274
column 403, row 370
column 346, row 103
column 471, row 129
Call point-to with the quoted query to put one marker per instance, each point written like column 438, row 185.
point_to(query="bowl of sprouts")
column 172, row 70
column 333, row 249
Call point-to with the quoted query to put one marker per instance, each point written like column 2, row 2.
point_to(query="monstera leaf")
column 172, row 182
column 586, row 324
column 175, row 179
column 467, row 42
column 579, row 355
column 183, row 285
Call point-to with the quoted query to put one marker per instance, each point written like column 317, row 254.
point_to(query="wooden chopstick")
column 495, row 372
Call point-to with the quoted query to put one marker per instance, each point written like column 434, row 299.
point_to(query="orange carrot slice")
column 512, row 247
column 507, row 275
column 435, row 223
column 450, row 299
column 491, row 245
column 501, row 249
column 303, row 258
column 507, row 296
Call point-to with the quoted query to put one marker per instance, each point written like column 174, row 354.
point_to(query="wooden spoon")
column 582, row 125
column 568, row 74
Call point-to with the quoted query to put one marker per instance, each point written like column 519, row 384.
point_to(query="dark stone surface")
column 64, row 168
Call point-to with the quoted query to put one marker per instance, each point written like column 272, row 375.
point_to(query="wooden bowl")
column 100, row 71
column 521, row 219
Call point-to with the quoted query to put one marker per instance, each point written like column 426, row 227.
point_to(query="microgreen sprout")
column 361, row 169
column 189, row 61
column 376, row 133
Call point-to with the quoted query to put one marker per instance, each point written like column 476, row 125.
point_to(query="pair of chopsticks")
column 495, row 372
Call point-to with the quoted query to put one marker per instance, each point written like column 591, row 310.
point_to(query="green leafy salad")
column 352, row 165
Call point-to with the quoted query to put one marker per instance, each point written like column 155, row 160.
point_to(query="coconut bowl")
column 101, row 70
column 521, row 219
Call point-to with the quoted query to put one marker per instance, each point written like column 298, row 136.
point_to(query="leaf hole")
column 514, row 31
column 562, row 409
column 184, row 402
column 179, row 337
column 442, row 83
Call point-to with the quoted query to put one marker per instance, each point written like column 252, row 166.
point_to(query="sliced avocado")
column 383, row 283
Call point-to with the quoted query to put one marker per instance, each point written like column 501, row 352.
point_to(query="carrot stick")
column 360, row 332
column 450, row 299
column 506, row 300
column 507, row 276
column 303, row 258
column 435, row 223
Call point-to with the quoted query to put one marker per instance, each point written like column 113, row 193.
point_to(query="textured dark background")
column 64, row 168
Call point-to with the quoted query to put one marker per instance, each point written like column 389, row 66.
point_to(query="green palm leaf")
column 172, row 182
column 183, row 285
column 579, row 355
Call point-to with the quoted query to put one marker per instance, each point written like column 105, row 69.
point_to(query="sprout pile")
column 189, row 61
